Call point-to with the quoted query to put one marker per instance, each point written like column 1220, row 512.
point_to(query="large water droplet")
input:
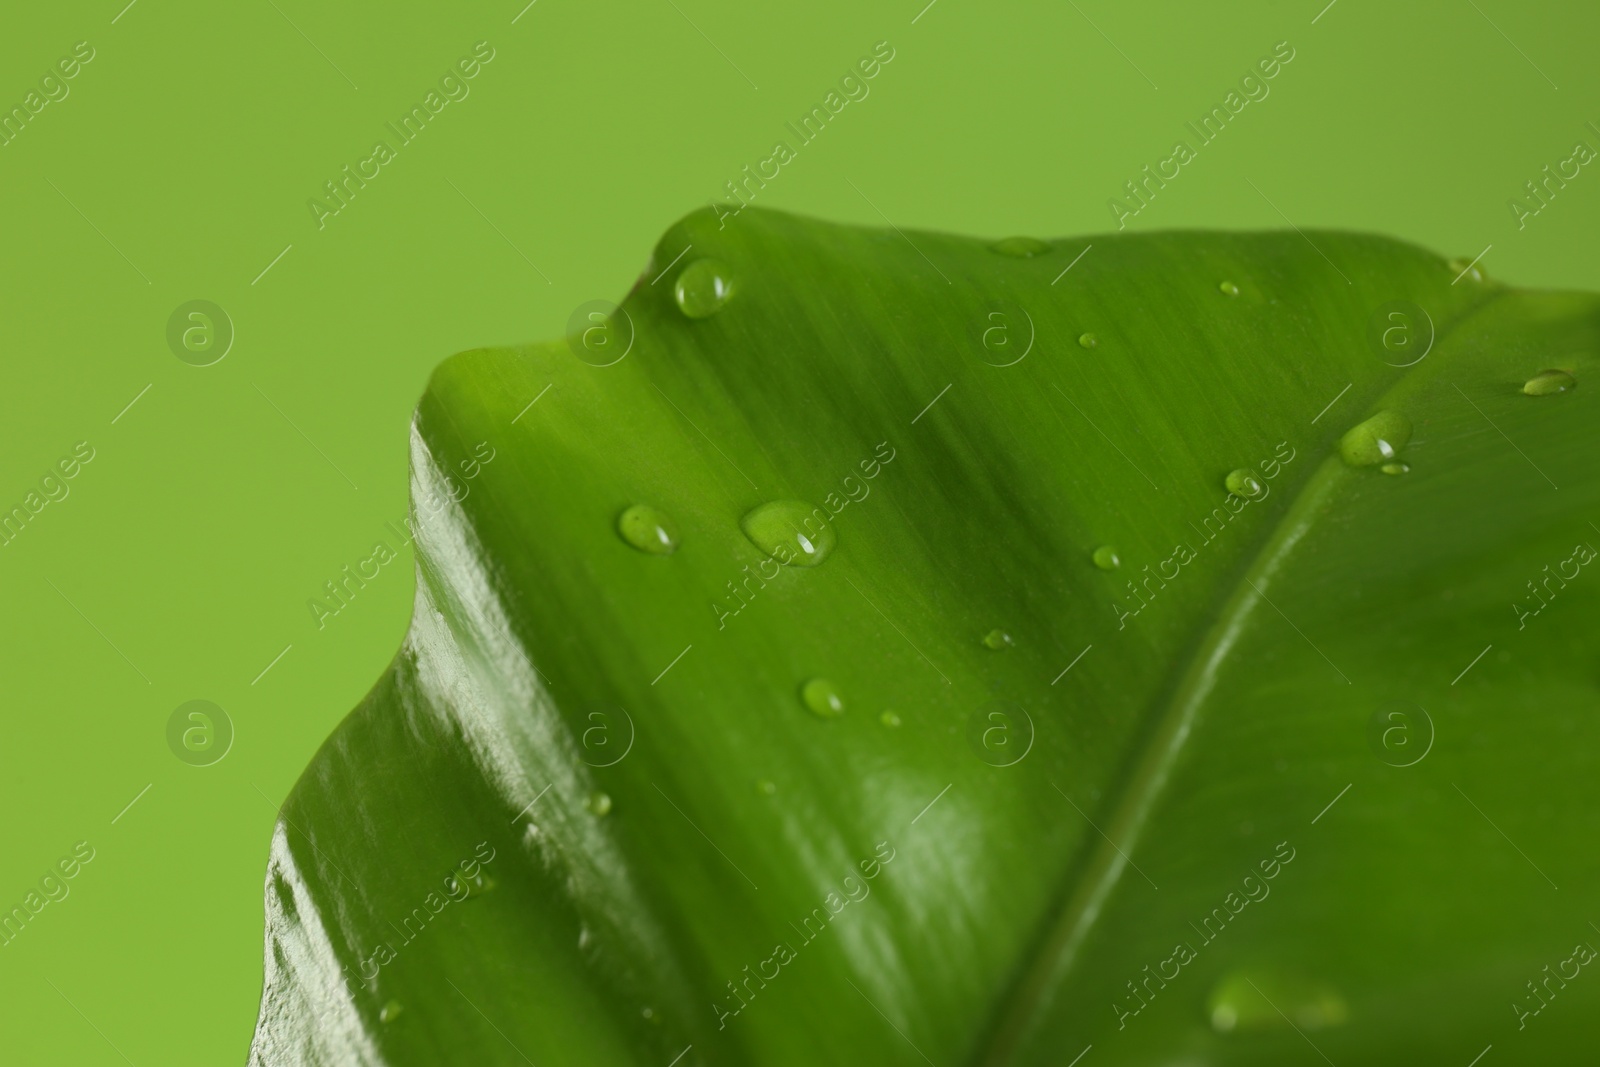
column 1228, row 289
column 1378, row 440
column 702, row 288
column 1547, row 382
column 1020, row 247
column 600, row 804
column 1243, row 482
column 822, row 697
column 1088, row 340
column 1106, row 558
column 390, row 1012
column 648, row 530
column 791, row 531
column 997, row 640
column 1255, row 1000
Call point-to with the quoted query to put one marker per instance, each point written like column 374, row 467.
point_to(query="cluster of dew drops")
column 706, row 285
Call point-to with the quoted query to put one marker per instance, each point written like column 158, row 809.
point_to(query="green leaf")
column 944, row 788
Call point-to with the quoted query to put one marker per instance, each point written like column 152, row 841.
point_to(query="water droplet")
column 1229, row 289
column 997, row 640
column 390, row 1011
column 1106, row 558
column 822, row 697
column 766, row 788
column 479, row 885
column 650, row 1015
column 584, row 937
column 702, row 288
column 1466, row 270
column 1249, row 1001
column 1088, row 340
column 1395, row 468
column 1243, row 482
column 600, row 804
column 889, row 719
column 1378, row 440
column 648, row 530
column 1547, row 382
column 791, row 531
column 1020, row 247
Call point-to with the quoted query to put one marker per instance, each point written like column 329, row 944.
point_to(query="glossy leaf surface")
column 1060, row 743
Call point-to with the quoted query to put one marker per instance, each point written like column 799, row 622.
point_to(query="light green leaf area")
column 851, row 652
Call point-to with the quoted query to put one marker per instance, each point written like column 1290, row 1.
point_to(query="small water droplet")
column 1395, row 468
column 1243, row 482
column 600, row 804
column 997, row 640
column 1377, row 440
column 1250, row 1001
column 1020, row 247
column 822, row 697
column 479, row 885
column 584, row 937
column 889, row 719
column 390, row 1011
column 1088, row 340
column 651, row 1015
column 648, row 530
column 766, row 788
column 1228, row 289
column 702, row 288
column 1547, row 382
column 1466, row 270
column 1106, row 558
column 791, row 531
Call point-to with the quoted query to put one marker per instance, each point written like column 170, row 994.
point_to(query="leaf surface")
column 994, row 855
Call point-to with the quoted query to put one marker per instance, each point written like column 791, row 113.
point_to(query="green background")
column 180, row 165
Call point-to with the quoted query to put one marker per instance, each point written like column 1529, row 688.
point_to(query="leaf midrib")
column 1152, row 763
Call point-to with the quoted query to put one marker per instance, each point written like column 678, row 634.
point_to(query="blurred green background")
column 179, row 164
